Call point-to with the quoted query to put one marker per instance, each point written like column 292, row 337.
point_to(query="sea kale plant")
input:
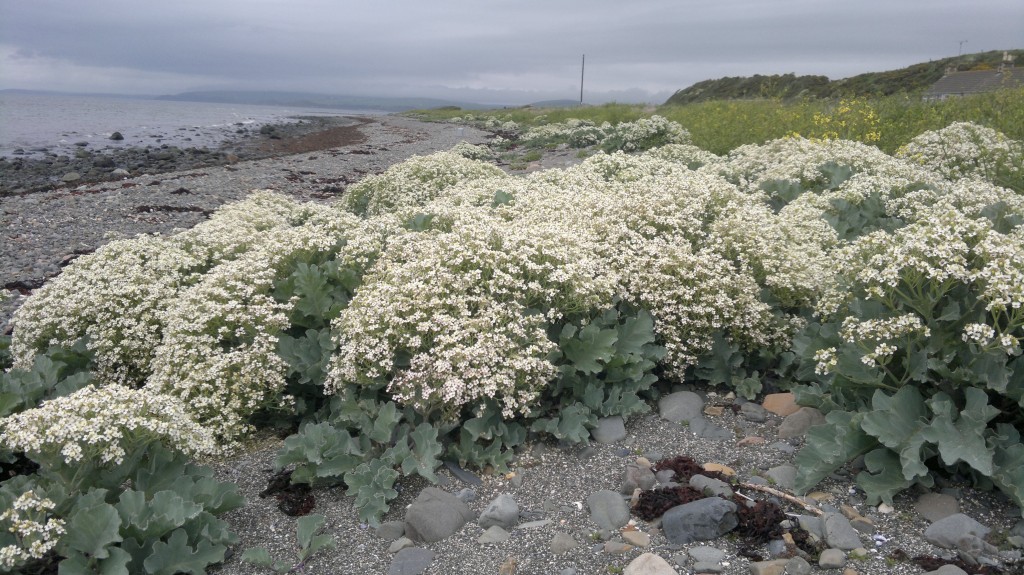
column 446, row 312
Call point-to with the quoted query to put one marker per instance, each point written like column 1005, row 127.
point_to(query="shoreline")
column 42, row 231
column 49, row 169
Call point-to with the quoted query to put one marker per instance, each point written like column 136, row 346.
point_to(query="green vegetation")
column 722, row 126
column 910, row 80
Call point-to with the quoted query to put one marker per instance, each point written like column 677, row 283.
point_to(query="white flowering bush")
column 220, row 350
column 472, row 151
column 923, row 325
column 114, row 298
column 101, row 426
column 637, row 136
column 414, row 182
column 28, row 531
column 966, row 150
column 448, row 318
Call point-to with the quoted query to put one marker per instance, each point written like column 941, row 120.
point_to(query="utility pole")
column 582, row 68
column 961, row 52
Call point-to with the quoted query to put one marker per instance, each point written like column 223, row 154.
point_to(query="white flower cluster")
column 115, row 297
column 965, row 150
column 628, row 136
column 98, row 423
column 414, row 182
column 35, row 533
column 471, row 151
column 219, row 350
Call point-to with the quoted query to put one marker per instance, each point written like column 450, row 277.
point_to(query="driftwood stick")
column 791, row 498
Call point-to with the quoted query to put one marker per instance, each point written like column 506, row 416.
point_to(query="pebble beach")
column 559, row 509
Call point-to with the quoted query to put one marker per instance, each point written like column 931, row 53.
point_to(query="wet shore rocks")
column 38, row 169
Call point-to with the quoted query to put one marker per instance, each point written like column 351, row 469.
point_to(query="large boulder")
column 435, row 515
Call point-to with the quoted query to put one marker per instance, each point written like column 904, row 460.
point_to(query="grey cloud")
column 519, row 48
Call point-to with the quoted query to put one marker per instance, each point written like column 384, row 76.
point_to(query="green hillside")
column 911, row 79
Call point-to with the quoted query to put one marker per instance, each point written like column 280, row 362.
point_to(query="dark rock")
column 753, row 412
column 103, row 162
column 783, row 475
column 935, row 506
column 798, row 566
column 950, row 531
column 494, row 534
column 700, row 520
column 116, row 136
column 390, row 530
column 435, row 515
column 411, row 561
column 81, row 144
column 562, row 542
column 839, row 533
column 711, row 486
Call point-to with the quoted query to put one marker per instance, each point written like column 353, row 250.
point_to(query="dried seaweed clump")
column 759, row 523
column 685, row 468
column 654, row 503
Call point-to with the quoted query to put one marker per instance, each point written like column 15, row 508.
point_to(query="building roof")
column 976, row 82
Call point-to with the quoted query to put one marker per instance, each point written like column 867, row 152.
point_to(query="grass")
column 721, row 126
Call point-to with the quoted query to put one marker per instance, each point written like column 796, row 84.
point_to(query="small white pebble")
column 883, row 508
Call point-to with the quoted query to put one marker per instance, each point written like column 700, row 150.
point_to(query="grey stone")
column 832, row 559
column 665, row 475
column 390, row 530
column 783, row 447
column 466, row 495
column 493, row 534
column 798, row 566
column 435, row 515
column 411, row 561
column 568, row 571
column 609, row 430
column 812, row 525
column 121, row 172
column 700, row 520
column 607, row 509
column 797, row 423
column 399, row 544
column 706, row 554
column 711, row 486
column 681, row 406
column 948, row 532
column 839, row 533
column 1018, row 529
column 753, row 412
column 638, row 477
column 534, row 524
column 502, row 511
column 116, row 136
column 935, row 506
column 71, row 177
column 704, row 429
column 617, row 547
column 783, row 475
column 777, row 548
column 704, row 567
column 562, row 542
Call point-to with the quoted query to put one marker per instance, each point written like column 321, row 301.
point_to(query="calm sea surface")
column 33, row 122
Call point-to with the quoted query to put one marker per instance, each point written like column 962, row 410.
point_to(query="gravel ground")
column 555, row 483
column 40, row 231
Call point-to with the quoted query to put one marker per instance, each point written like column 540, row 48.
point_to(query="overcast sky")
column 491, row 51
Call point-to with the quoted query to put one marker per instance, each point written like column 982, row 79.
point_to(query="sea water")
column 33, row 123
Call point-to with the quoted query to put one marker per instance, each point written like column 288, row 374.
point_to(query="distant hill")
column 912, row 79
column 308, row 100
